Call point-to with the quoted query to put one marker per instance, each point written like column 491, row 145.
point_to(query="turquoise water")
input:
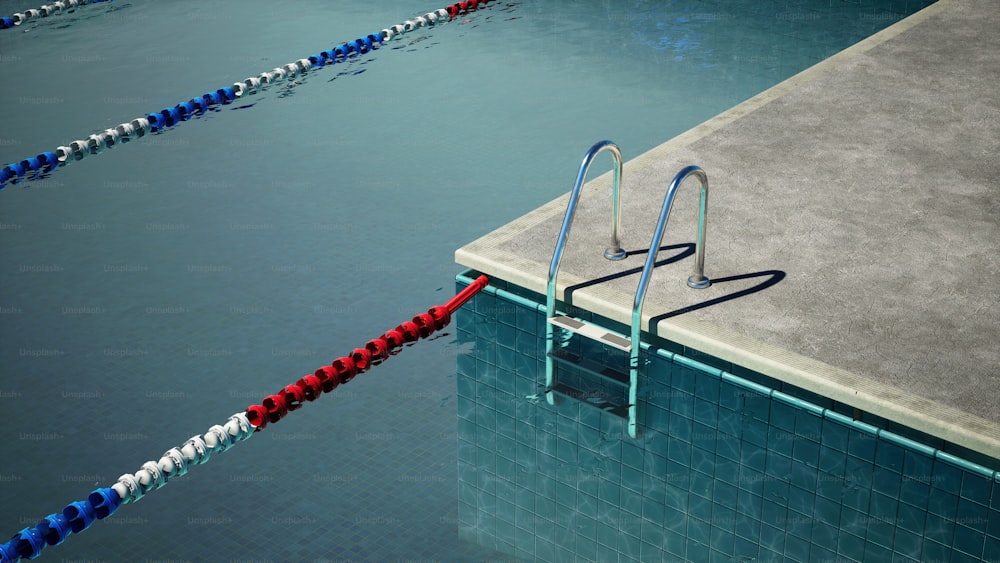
column 149, row 292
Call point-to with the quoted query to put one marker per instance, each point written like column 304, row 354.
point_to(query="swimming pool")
column 273, row 236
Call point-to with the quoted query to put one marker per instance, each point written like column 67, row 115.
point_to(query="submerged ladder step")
column 590, row 366
column 592, row 331
column 591, row 400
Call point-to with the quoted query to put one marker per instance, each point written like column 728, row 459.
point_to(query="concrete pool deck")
column 853, row 221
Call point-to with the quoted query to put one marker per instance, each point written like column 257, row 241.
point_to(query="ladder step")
column 590, row 400
column 591, row 331
column 591, row 367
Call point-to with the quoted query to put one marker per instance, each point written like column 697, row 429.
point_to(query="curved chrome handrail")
column 613, row 252
column 699, row 280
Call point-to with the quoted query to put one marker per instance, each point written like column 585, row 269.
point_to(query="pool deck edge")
column 491, row 254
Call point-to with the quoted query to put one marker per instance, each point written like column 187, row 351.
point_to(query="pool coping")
column 922, row 414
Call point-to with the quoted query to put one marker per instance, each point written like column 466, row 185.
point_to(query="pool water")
column 149, row 292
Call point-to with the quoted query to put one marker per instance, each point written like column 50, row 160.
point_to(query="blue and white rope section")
column 44, row 163
column 101, row 503
column 55, row 8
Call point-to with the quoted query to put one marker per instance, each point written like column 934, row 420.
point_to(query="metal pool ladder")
column 593, row 331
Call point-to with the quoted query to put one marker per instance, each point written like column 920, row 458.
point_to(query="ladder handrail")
column 613, row 252
column 699, row 280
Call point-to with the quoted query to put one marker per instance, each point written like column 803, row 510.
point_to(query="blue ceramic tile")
column 730, row 423
column 657, row 418
column 699, row 508
column 774, row 513
column 697, row 551
column 725, row 493
column 723, row 540
column 780, row 441
column 941, row 530
column 942, row 503
column 796, row 549
column 545, row 550
column 745, row 549
column 968, row 540
column 726, row 469
column 854, row 522
column 914, row 492
column 607, row 536
column 730, row 397
column 889, row 455
column 945, row 476
column 772, row 537
column 832, row 461
column 680, row 427
column 526, row 320
column 976, row 488
column 586, row 529
column 751, row 480
column 778, row 466
column 676, row 520
column 715, row 556
column 706, row 412
column 882, row 507
column 702, row 460
column 991, row 547
column 676, row 546
column 993, row 523
column 631, row 478
column 827, row 510
column 707, row 388
column 824, row 534
column 801, row 500
column 972, row 514
column 877, row 552
column 851, row 546
column 806, row 451
column 835, row 435
column 629, row 545
column 652, row 533
column 907, row 544
column 910, row 517
column 856, row 498
column 880, row 530
column 803, row 476
column 783, row 416
column 861, row 445
column 934, row 551
column 754, row 432
column 682, row 404
column 631, row 502
column 886, row 481
column 701, row 484
column 859, row 471
column 958, row 556
column 757, row 406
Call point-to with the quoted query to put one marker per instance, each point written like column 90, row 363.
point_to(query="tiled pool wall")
column 730, row 465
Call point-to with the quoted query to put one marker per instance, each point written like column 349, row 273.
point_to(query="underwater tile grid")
column 729, row 466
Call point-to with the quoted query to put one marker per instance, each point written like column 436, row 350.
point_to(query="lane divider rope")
column 56, row 8
column 46, row 162
column 130, row 487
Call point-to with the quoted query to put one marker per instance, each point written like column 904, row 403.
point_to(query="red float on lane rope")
column 325, row 379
